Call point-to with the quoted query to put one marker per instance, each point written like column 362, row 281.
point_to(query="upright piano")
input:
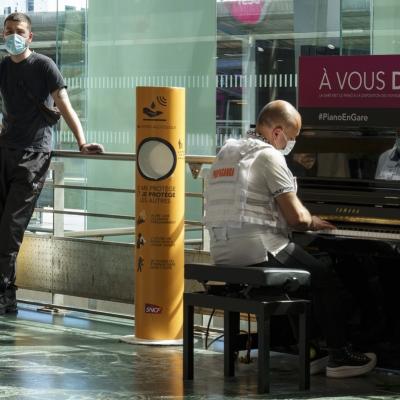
column 336, row 172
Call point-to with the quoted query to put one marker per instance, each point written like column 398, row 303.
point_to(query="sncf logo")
column 152, row 309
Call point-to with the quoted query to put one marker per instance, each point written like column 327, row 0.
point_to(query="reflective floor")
column 79, row 356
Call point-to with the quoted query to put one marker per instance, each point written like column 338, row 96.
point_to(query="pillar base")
column 132, row 339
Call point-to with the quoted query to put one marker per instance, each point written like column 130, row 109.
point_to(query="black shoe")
column 8, row 301
column 345, row 363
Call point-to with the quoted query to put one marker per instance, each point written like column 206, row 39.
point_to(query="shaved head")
column 280, row 113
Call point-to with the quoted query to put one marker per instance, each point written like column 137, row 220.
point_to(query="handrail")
column 102, row 156
column 195, row 163
column 84, row 213
column 93, row 188
column 202, row 159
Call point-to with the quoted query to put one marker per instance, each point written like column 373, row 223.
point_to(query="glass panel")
column 386, row 30
column 106, row 50
column 386, row 40
column 259, row 43
column 146, row 43
column 71, row 59
column 351, row 153
column 258, row 47
column 356, row 27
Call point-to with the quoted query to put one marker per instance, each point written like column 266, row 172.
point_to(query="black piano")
column 336, row 172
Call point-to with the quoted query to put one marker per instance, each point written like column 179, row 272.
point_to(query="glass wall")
column 232, row 56
column 259, row 43
column 385, row 34
column 105, row 50
column 146, row 43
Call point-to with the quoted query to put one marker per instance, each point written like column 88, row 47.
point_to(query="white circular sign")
column 156, row 159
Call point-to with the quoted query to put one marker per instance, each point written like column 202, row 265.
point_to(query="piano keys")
column 362, row 232
column 362, row 209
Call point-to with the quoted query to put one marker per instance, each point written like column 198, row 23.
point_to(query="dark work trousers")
column 22, row 175
column 327, row 291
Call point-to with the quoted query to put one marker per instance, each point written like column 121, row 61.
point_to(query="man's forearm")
column 73, row 122
column 304, row 221
column 61, row 99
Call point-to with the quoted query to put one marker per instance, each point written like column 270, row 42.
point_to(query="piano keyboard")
column 362, row 233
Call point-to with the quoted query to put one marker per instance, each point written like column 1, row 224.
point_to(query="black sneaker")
column 345, row 363
column 8, row 301
column 318, row 360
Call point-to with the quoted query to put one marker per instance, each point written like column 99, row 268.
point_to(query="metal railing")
column 58, row 186
column 229, row 129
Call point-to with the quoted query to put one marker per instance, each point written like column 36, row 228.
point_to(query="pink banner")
column 349, row 82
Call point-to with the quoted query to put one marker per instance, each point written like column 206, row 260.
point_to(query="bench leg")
column 231, row 330
column 304, row 349
column 188, row 337
column 263, row 329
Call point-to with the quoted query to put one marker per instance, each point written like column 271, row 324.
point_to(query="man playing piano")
column 251, row 204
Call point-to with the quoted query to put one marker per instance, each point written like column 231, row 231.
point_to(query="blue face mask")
column 15, row 44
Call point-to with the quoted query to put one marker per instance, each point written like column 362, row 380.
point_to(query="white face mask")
column 288, row 148
column 289, row 145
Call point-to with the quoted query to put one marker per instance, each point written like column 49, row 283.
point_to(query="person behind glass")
column 389, row 163
column 250, row 205
column 303, row 164
column 25, row 141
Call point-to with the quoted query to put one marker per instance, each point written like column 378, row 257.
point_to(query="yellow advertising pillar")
column 160, row 196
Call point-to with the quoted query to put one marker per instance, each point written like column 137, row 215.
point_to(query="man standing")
column 251, row 203
column 28, row 81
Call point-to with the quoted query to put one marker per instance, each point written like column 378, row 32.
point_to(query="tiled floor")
column 78, row 356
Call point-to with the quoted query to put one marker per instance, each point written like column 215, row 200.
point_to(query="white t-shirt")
column 251, row 243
